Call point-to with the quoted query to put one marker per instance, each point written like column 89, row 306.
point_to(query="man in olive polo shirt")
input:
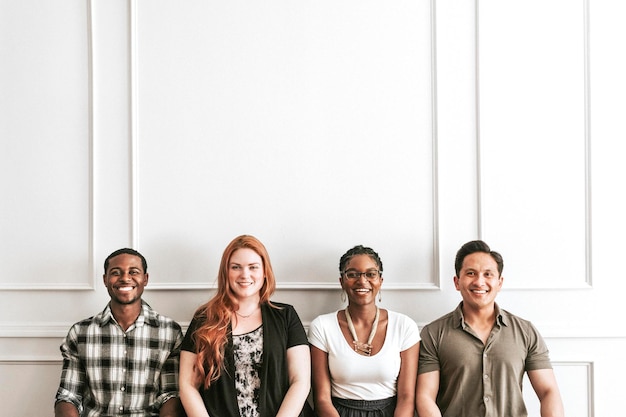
column 472, row 360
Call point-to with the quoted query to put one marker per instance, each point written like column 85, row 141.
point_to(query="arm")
column 545, row 386
column 190, row 382
column 69, row 395
column 406, row 382
column 65, row 409
column 321, row 384
column 172, row 406
column 299, row 369
column 426, row 394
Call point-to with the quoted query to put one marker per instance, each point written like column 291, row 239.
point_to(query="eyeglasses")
column 371, row 275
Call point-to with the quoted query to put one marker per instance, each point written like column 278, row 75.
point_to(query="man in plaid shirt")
column 123, row 361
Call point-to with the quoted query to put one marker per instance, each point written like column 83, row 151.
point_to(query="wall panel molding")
column 144, row 114
column 534, row 141
column 41, row 229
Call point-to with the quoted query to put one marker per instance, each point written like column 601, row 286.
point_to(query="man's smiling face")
column 125, row 279
column 479, row 281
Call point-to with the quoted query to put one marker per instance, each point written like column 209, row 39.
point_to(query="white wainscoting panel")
column 534, row 142
column 284, row 123
column 45, row 151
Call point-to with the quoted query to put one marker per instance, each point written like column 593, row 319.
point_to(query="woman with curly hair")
column 243, row 355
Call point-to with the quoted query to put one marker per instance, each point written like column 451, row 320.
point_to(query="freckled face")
column 479, row 281
column 125, row 279
column 246, row 275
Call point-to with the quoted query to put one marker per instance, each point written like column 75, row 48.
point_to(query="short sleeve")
column 317, row 334
column 410, row 332
column 189, row 344
column 296, row 333
column 538, row 355
column 428, row 357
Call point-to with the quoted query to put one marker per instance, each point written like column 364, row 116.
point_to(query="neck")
column 125, row 314
column 362, row 312
column 485, row 315
column 248, row 306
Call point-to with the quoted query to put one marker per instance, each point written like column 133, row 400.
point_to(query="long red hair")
column 211, row 337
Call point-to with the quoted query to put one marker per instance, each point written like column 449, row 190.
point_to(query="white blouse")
column 357, row 377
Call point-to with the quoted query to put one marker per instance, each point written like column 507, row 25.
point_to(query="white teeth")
column 125, row 288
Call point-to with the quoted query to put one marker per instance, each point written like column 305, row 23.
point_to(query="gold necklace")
column 363, row 348
column 245, row 317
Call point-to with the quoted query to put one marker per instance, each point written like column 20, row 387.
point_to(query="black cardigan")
column 282, row 329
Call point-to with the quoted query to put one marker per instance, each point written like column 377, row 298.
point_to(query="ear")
column 145, row 279
column 456, row 283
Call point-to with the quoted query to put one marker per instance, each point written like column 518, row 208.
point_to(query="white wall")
column 173, row 127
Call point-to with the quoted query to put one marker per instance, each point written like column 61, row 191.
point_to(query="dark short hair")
column 126, row 251
column 473, row 247
column 360, row 250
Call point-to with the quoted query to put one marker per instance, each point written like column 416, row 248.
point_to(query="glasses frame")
column 362, row 274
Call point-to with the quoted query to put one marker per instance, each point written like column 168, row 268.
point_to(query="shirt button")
column 121, row 408
column 486, row 399
column 123, row 388
column 485, row 376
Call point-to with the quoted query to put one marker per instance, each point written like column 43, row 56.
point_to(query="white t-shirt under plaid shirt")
column 107, row 371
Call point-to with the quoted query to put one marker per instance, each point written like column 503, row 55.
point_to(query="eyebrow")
column 118, row 268
column 367, row 269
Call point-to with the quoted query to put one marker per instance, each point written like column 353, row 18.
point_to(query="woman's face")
column 245, row 273
column 361, row 290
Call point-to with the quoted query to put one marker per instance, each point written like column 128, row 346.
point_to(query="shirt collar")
column 459, row 320
column 146, row 316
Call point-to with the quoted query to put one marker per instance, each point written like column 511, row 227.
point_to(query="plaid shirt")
column 107, row 371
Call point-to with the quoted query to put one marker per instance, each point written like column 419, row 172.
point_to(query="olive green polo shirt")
column 479, row 379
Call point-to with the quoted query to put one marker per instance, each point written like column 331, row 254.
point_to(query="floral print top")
column 248, row 351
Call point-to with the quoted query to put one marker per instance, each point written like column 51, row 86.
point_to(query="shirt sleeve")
column 73, row 373
column 317, row 335
column 410, row 332
column 169, row 371
column 538, row 354
column 297, row 335
column 429, row 356
column 188, row 344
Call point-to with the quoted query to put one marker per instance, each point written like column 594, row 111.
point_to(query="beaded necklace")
column 363, row 348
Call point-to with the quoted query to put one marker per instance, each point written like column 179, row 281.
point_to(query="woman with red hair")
column 243, row 355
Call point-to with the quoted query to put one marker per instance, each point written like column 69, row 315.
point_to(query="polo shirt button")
column 485, row 376
column 486, row 399
column 123, row 388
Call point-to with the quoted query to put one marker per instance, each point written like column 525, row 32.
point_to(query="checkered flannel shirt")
column 107, row 371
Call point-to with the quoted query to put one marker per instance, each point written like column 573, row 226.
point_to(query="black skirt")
column 363, row 408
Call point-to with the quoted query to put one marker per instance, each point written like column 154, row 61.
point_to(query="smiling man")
column 472, row 360
column 124, row 360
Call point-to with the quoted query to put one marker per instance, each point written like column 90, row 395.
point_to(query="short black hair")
column 473, row 247
column 126, row 251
